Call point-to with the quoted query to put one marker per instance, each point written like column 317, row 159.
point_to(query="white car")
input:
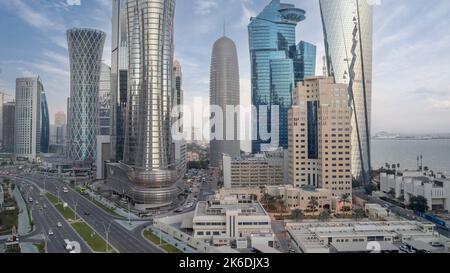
column 50, row 232
column 59, row 225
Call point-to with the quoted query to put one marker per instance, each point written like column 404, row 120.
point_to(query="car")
column 87, row 213
column 30, row 199
column 179, row 210
column 45, row 206
column 59, row 225
column 65, row 190
column 436, row 244
column 37, row 202
column 50, row 232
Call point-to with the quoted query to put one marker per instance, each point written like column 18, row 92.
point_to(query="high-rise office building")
column 119, row 78
column 45, row 124
column 28, row 115
column 104, row 101
column 272, row 51
column 305, row 61
column 85, row 52
column 9, row 124
column 319, row 136
column 147, row 176
column 348, row 31
column 60, row 128
column 224, row 91
column 180, row 146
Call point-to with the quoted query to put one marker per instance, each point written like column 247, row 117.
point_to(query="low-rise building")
column 300, row 198
column 226, row 219
column 375, row 211
column 318, row 237
column 269, row 168
column 435, row 188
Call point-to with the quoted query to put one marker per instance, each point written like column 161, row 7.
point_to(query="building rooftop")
column 212, row 208
column 362, row 247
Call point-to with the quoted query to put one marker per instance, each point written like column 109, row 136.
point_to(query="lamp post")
column 107, row 230
column 75, row 204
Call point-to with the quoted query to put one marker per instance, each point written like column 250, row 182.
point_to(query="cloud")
column 204, row 7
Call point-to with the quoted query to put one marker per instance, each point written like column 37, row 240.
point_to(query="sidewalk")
column 169, row 239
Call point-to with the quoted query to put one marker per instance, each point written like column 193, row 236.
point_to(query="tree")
column 359, row 214
column 313, row 204
column 370, row 188
column 325, row 215
column 419, row 203
column 297, row 215
column 345, row 198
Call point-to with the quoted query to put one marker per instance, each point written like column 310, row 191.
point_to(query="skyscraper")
column 147, row 175
column 61, row 126
column 45, row 124
column 319, row 136
column 348, row 31
column 272, row 50
column 119, row 78
column 104, row 101
column 85, row 51
column 305, row 61
column 27, row 125
column 180, row 146
column 224, row 91
column 8, row 122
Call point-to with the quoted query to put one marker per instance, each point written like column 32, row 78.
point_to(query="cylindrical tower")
column 85, row 52
column 224, row 91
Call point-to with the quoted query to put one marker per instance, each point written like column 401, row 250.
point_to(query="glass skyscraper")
column 119, row 78
column 85, row 52
column 45, row 124
column 272, row 46
column 348, row 31
column 305, row 61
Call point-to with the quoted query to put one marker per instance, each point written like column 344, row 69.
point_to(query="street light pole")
column 75, row 203
column 107, row 230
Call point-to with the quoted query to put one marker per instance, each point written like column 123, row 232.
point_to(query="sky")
column 411, row 84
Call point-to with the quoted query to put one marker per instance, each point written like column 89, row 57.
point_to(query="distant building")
column 269, row 168
column 300, row 198
column 9, row 124
column 434, row 188
column 224, row 91
column 45, row 125
column 61, row 128
column 104, row 101
column 320, row 137
column 305, row 61
column 179, row 146
column 230, row 218
column 103, row 155
column 27, row 116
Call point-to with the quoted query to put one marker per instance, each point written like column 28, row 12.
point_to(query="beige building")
column 300, row 198
column 320, row 136
column 269, row 168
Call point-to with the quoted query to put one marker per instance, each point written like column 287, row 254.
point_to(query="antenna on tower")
column 224, row 27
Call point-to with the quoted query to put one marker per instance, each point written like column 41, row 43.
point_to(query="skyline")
column 398, row 77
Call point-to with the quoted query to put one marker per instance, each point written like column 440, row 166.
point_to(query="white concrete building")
column 269, row 168
column 231, row 218
column 434, row 188
column 317, row 237
column 28, row 109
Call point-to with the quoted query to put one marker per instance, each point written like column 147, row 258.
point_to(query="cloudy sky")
column 411, row 51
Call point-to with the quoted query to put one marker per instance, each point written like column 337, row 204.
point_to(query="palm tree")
column 313, row 204
column 359, row 214
column 297, row 215
column 345, row 198
column 325, row 215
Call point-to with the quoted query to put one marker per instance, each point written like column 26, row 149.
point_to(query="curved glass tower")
column 85, row 52
column 45, row 125
column 150, row 176
column 348, row 28
column 224, row 91
column 272, row 53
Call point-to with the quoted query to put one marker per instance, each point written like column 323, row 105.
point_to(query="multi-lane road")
column 121, row 238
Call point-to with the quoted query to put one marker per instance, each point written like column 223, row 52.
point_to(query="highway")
column 120, row 238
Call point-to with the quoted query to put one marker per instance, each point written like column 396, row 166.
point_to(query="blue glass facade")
column 271, row 40
column 305, row 61
column 45, row 125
